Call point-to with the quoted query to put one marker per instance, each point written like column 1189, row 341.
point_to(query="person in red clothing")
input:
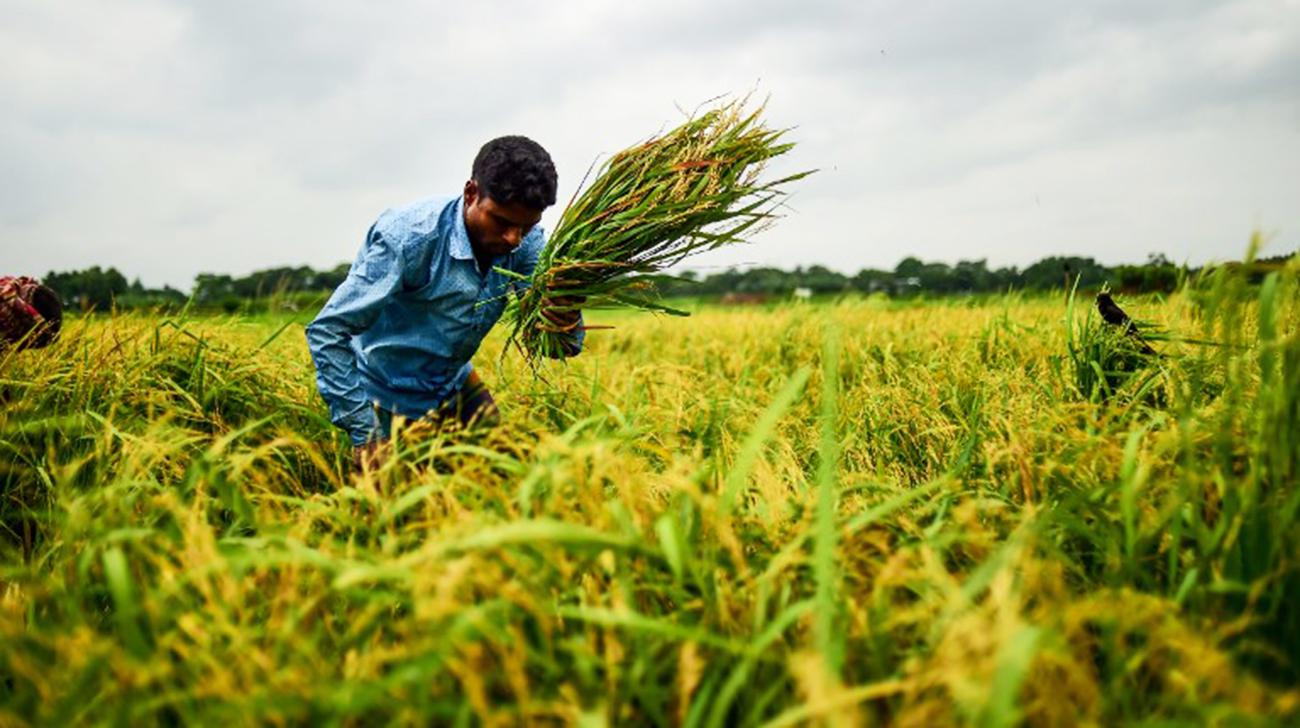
column 30, row 314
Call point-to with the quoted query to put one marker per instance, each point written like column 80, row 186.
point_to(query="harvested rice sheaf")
column 697, row 187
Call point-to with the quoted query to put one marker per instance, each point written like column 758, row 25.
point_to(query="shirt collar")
column 460, row 246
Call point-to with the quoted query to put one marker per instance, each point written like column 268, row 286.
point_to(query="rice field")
column 987, row 512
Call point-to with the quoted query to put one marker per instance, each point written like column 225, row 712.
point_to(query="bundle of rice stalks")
column 694, row 188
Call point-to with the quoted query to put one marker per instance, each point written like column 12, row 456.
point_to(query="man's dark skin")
column 495, row 229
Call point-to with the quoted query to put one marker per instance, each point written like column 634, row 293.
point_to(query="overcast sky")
column 170, row 137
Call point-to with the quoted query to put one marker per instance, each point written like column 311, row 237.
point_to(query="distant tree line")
column 913, row 276
column 212, row 287
column 101, row 289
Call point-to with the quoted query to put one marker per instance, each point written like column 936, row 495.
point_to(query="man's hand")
column 370, row 455
column 562, row 317
column 561, row 312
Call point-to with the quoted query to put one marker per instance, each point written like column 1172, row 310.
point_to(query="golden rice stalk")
column 694, row 188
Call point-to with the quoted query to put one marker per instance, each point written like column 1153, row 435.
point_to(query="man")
column 397, row 336
column 31, row 314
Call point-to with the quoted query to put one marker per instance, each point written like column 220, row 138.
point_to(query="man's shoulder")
column 413, row 222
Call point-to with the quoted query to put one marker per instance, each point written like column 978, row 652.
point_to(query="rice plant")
column 1108, row 359
column 696, row 187
column 847, row 513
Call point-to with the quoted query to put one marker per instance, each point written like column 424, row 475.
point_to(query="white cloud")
column 169, row 138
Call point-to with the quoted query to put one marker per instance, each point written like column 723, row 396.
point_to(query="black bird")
column 1112, row 314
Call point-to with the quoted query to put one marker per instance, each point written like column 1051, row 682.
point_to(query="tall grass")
column 856, row 512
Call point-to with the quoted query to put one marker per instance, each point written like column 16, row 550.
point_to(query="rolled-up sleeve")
column 525, row 263
column 375, row 275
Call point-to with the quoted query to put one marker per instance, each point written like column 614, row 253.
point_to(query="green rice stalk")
column 695, row 188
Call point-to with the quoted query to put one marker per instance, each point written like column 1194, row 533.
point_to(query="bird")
column 1112, row 314
column 1110, row 311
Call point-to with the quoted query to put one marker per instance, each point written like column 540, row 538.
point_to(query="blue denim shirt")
column 400, row 330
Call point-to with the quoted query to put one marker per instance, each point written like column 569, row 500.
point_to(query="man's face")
column 496, row 228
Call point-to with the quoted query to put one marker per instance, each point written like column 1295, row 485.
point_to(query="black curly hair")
column 512, row 169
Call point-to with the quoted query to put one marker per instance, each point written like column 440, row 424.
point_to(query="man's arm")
column 353, row 307
column 561, row 311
